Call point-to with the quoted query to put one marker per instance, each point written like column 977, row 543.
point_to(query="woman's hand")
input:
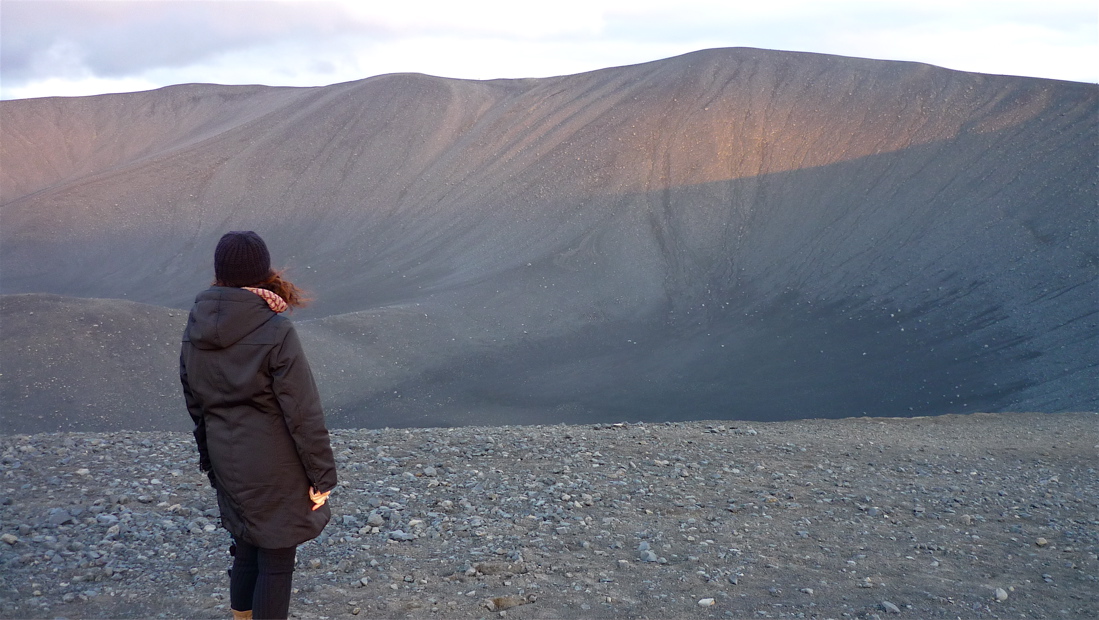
column 318, row 498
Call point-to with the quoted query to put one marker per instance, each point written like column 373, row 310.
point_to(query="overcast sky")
column 84, row 47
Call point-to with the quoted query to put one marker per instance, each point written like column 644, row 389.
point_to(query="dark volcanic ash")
column 732, row 233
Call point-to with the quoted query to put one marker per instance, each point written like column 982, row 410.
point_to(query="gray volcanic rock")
column 732, row 233
column 974, row 516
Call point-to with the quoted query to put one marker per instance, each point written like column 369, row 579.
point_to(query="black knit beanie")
column 241, row 259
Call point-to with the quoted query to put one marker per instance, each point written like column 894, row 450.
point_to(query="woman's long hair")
column 277, row 284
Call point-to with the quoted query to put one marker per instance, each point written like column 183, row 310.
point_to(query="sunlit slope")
column 727, row 233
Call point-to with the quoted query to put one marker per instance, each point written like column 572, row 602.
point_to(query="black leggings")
column 261, row 580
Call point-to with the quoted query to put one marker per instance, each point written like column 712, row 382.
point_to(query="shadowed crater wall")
column 732, row 233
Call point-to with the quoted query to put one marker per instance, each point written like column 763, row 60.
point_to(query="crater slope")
column 733, row 233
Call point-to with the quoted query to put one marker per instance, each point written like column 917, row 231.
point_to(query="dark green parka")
column 258, row 419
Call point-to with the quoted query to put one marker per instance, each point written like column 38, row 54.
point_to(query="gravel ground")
column 976, row 516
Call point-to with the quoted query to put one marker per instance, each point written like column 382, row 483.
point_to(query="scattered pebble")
column 757, row 516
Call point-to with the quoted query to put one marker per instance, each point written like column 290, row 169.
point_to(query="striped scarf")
column 276, row 303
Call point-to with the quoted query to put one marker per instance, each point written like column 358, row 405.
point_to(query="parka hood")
column 223, row 316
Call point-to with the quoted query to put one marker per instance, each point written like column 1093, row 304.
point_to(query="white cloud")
column 45, row 45
column 62, row 58
column 77, row 87
column 981, row 49
column 509, row 19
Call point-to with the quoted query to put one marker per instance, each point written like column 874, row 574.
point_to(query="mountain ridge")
column 544, row 226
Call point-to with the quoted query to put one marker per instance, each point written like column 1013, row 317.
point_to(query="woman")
column 258, row 422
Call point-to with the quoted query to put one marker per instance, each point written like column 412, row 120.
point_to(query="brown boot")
column 242, row 615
